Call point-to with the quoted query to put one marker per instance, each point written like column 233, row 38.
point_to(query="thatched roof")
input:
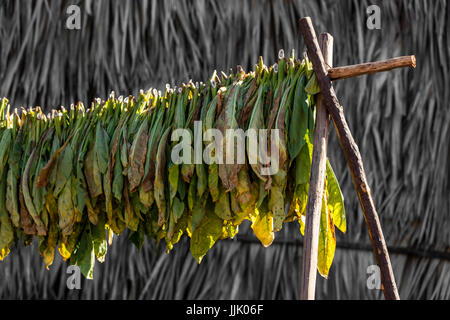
column 400, row 120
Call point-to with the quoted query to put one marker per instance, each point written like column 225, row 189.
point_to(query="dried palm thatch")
column 400, row 120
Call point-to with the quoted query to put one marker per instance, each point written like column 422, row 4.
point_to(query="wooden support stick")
column 354, row 161
column 371, row 67
column 316, row 184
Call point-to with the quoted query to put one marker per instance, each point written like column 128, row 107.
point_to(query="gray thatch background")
column 401, row 121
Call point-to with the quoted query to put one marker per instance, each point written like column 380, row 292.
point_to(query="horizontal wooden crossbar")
column 371, row 67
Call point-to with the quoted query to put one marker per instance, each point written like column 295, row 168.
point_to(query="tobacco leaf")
column 84, row 257
column 173, row 176
column 207, row 231
column 4, row 252
column 137, row 156
column 228, row 173
column 303, row 164
column 256, row 123
column 312, row 87
column 28, row 201
column 117, row 184
column 5, row 144
column 247, row 208
column 244, row 188
column 222, row 206
column 327, row 241
column 146, row 198
column 6, row 227
column 160, row 178
column 202, row 182
column 101, row 148
column 137, row 237
column 262, row 226
column 26, row 221
column 12, row 203
column 92, row 173
column 152, row 148
column 64, row 170
column 298, row 119
column 124, row 147
column 276, row 205
column 192, row 192
column 44, row 176
column 66, row 210
column 335, row 200
column 49, row 245
column 213, row 181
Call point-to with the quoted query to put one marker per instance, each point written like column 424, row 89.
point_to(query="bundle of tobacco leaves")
column 73, row 178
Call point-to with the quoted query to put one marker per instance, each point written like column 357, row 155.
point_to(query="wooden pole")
column 316, row 184
column 354, row 161
column 371, row 67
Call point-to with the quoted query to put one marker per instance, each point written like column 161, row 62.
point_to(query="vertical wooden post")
column 354, row 160
column 316, row 184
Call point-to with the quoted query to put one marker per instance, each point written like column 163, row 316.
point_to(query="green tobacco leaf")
column 202, row 182
column 298, row 120
column 85, row 255
column 137, row 237
column 64, row 170
column 138, row 152
column 178, row 209
column 276, row 205
column 192, row 193
column 13, row 179
column 206, row 233
column 160, row 178
column 312, row 88
column 5, row 144
column 92, row 173
column 99, row 239
column 146, row 198
column 244, row 192
column 213, row 181
column 117, row 184
column 256, row 123
column 101, row 148
column 335, row 200
column 303, row 164
column 222, row 207
column 66, row 210
column 177, row 231
column 173, row 178
column 27, row 196
column 228, row 173
column 198, row 212
column 187, row 170
column 6, row 227
column 12, row 203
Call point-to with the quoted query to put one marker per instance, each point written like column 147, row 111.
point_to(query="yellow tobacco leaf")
column 263, row 227
column 62, row 248
column 4, row 253
column 335, row 200
column 327, row 241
